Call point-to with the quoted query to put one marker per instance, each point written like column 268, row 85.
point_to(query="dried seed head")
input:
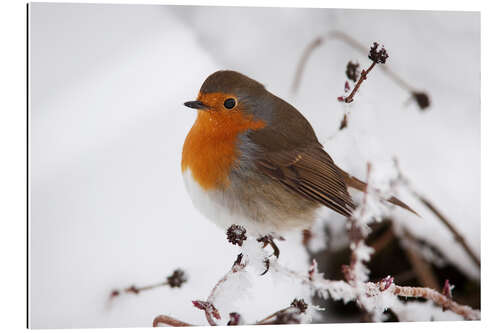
column 234, row 319
column 422, row 99
column 287, row 317
column 378, row 56
column 236, row 234
column 177, row 279
column 300, row 304
column 352, row 71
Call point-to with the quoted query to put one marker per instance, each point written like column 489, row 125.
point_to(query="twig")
column 210, row 310
column 238, row 266
column 357, row 233
column 136, row 290
column 375, row 55
column 364, row 74
column 340, row 290
column 383, row 240
column 163, row 319
column 442, row 300
column 456, row 234
column 266, row 320
column 176, row 280
column 337, row 290
column 288, row 315
column 208, row 306
column 420, row 97
column 356, row 273
column 422, row 268
column 303, row 60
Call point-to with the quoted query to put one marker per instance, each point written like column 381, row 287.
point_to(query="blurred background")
column 108, row 205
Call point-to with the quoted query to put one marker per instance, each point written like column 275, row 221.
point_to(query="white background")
column 80, row 145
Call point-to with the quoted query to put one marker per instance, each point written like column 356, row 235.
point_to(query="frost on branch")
column 376, row 298
column 373, row 298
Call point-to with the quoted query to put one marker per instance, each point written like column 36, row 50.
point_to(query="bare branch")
column 421, row 98
column 422, row 269
column 163, row 319
column 176, row 280
column 340, row 290
column 364, row 75
column 210, row 310
column 238, row 266
column 447, row 303
column 288, row 315
column 456, row 234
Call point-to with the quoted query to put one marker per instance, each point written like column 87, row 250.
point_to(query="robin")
column 253, row 160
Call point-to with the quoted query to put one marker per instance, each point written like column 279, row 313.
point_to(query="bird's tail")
column 359, row 185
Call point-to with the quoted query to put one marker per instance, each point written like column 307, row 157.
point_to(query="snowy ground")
column 107, row 125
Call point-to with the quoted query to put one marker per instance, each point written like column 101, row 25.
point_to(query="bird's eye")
column 229, row 103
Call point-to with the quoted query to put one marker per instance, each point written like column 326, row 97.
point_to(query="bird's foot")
column 269, row 240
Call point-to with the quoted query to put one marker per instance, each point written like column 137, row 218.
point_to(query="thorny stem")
column 364, row 74
column 456, row 234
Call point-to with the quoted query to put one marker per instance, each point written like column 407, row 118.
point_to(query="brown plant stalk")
column 175, row 280
column 420, row 97
column 167, row 320
column 427, row 203
column 438, row 298
column 364, row 75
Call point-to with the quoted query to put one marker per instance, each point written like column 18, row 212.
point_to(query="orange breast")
column 210, row 148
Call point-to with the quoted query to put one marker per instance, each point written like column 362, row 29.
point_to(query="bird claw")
column 269, row 240
column 268, row 264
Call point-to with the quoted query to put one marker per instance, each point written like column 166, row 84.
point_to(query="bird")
column 253, row 160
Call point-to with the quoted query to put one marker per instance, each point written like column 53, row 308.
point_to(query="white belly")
column 221, row 210
column 225, row 209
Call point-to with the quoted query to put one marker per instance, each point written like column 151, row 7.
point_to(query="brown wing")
column 310, row 172
column 288, row 151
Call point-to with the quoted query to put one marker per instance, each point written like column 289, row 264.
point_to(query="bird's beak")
column 196, row 105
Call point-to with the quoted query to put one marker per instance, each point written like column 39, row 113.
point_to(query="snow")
column 109, row 208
